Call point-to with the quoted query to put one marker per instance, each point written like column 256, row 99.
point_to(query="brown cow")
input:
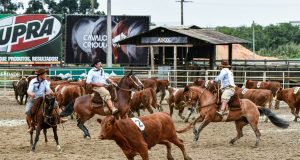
column 20, row 89
column 143, row 99
column 260, row 97
column 177, row 100
column 293, row 100
column 67, row 94
column 162, row 86
column 159, row 129
column 273, row 86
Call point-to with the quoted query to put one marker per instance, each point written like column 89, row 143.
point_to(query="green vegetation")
column 282, row 40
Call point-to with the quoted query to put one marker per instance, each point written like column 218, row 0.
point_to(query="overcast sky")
column 209, row 13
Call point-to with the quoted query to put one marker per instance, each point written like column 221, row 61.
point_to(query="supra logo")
column 24, row 32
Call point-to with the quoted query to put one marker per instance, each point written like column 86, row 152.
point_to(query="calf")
column 159, row 129
column 143, row 99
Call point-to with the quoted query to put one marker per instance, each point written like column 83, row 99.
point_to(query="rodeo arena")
column 69, row 90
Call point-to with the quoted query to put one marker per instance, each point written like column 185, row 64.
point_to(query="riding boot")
column 113, row 109
column 30, row 122
column 223, row 108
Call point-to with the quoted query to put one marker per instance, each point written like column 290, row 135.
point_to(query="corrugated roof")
column 206, row 35
column 210, row 36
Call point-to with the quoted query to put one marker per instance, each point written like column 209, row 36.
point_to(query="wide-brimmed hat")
column 40, row 71
column 224, row 64
column 95, row 62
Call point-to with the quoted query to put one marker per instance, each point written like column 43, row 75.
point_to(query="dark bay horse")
column 46, row 116
column 20, row 89
column 86, row 109
column 272, row 86
column 245, row 112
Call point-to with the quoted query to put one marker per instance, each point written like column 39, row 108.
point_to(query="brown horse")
column 86, row 109
column 272, row 86
column 45, row 116
column 260, row 97
column 292, row 99
column 20, row 89
column 214, row 87
column 143, row 99
column 242, row 111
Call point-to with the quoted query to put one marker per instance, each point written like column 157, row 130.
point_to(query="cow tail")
column 273, row 117
column 189, row 126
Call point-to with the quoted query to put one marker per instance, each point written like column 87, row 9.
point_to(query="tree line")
column 280, row 40
column 50, row 7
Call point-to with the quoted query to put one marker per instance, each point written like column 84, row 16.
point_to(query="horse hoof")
column 58, row 147
column 186, row 121
column 87, row 137
column 193, row 118
column 231, row 142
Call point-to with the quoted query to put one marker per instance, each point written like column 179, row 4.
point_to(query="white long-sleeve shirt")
column 96, row 75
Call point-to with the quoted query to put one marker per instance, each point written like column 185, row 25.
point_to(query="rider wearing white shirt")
column 227, row 85
column 99, row 80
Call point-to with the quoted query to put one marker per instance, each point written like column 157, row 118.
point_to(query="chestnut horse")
column 292, row 99
column 242, row 111
column 86, row 109
column 46, row 116
column 272, row 86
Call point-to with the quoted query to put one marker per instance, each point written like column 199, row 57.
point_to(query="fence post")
column 283, row 80
column 169, row 76
column 264, row 76
column 206, row 75
column 187, row 78
column 245, row 77
column 149, row 74
column 5, row 84
column 22, row 73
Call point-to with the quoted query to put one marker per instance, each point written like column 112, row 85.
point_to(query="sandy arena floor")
column 213, row 143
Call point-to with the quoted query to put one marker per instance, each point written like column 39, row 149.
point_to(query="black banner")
column 164, row 40
column 87, row 39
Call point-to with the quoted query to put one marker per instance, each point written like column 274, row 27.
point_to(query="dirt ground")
column 213, row 143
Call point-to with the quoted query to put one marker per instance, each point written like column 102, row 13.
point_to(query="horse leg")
column 192, row 109
column 56, row 138
column 163, row 94
column 239, row 124
column 253, row 123
column 179, row 143
column 31, row 139
column 293, row 111
column 200, row 128
column 138, row 112
column 277, row 104
column 85, row 131
column 169, row 147
column 180, row 113
column 37, row 135
column 171, row 109
column 45, row 134
column 149, row 109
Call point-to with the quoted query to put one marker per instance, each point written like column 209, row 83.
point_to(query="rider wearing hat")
column 227, row 85
column 38, row 87
column 99, row 80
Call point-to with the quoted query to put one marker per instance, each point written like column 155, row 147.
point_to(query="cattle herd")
column 136, row 137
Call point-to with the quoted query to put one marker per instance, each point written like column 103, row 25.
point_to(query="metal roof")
column 195, row 32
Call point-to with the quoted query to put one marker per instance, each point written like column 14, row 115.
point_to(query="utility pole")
column 181, row 5
column 253, row 39
column 93, row 6
column 109, row 36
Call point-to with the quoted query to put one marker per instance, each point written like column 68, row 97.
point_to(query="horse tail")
column 189, row 126
column 68, row 110
column 273, row 118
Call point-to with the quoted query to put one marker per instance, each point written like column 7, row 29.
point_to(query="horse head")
column 131, row 81
column 49, row 106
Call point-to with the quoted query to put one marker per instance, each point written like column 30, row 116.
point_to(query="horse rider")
column 97, row 78
column 227, row 85
column 38, row 87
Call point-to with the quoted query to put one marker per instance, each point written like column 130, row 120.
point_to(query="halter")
column 200, row 97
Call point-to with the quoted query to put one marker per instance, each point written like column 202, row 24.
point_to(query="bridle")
column 202, row 92
column 45, row 115
column 135, row 83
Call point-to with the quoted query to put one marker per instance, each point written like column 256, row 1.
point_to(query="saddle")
column 234, row 103
column 98, row 101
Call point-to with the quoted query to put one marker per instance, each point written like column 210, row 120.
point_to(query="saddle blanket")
column 258, row 84
column 296, row 89
column 138, row 123
column 244, row 91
